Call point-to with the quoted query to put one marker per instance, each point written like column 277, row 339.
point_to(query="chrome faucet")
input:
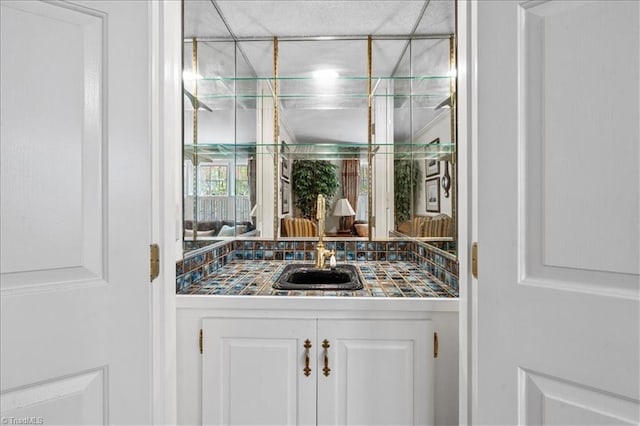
column 321, row 252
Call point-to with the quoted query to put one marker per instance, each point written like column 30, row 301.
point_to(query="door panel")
column 75, row 211
column 381, row 372
column 76, row 400
column 551, row 401
column 52, row 110
column 558, row 207
column 579, row 177
column 253, row 372
column 589, row 112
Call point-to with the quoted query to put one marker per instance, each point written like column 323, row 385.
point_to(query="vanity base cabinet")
column 317, row 371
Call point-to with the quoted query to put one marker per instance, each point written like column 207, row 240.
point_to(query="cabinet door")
column 381, row 372
column 253, row 372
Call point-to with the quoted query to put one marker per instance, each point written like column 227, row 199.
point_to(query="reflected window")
column 362, row 212
column 213, row 179
column 188, row 177
column 242, row 179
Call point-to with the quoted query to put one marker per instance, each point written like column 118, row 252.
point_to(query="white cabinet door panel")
column 253, row 372
column 381, row 372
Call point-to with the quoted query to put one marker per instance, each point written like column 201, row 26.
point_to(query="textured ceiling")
column 320, row 18
column 309, row 121
column 288, row 18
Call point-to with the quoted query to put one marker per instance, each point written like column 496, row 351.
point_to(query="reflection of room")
column 219, row 177
column 264, row 104
column 433, row 203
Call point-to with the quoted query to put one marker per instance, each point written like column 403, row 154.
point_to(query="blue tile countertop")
column 381, row 279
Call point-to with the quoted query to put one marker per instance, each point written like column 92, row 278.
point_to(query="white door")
column 254, row 371
column 375, row 372
column 558, row 208
column 75, row 148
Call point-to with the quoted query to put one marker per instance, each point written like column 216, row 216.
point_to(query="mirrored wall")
column 367, row 121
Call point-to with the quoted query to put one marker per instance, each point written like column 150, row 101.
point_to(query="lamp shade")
column 343, row 208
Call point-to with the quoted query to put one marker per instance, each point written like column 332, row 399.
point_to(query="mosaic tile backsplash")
column 195, row 267
column 305, row 250
column 429, row 265
column 439, row 263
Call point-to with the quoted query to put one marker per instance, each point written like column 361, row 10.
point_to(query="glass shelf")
column 310, row 78
column 207, row 152
column 232, row 86
column 225, row 93
column 322, row 151
column 317, row 102
column 324, row 95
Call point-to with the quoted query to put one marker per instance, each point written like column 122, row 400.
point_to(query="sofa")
column 218, row 228
column 440, row 225
column 298, row 227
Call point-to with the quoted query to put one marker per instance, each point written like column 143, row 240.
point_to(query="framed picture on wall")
column 432, row 167
column 285, row 169
column 432, row 190
column 285, row 195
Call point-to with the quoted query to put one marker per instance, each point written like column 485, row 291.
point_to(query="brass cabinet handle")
column 326, row 370
column 307, row 346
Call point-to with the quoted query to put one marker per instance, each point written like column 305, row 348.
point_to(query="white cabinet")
column 317, row 371
column 252, row 372
column 381, row 372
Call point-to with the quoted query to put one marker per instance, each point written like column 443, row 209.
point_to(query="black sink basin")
column 307, row 277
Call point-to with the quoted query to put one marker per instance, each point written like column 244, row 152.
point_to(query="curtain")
column 350, row 183
column 252, row 183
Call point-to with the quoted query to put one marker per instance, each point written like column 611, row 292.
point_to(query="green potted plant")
column 406, row 175
column 310, row 178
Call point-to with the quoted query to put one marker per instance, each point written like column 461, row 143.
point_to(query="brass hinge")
column 200, row 340
column 154, row 261
column 435, row 345
column 474, row 260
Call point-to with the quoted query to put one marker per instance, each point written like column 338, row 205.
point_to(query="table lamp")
column 343, row 209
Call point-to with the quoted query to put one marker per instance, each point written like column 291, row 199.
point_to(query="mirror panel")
column 323, row 115
column 432, row 138
column 419, row 144
column 221, row 135
column 243, row 146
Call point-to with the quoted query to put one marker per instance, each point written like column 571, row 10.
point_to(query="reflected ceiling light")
column 453, row 72
column 325, row 75
column 188, row 75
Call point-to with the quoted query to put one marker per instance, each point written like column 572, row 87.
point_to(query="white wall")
column 220, row 126
column 264, row 164
column 288, row 138
column 382, row 180
column 440, row 127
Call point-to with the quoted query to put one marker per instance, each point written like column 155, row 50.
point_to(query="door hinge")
column 200, row 340
column 154, row 261
column 435, row 345
column 474, row 260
